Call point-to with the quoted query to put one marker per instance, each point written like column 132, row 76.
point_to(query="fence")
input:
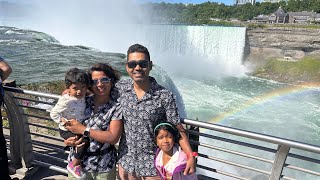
column 224, row 153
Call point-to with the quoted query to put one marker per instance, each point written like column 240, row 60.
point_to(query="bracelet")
column 194, row 154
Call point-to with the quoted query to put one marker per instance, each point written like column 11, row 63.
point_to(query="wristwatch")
column 86, row 132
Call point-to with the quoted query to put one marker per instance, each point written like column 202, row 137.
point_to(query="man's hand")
column 75, row 127
column 191, row 166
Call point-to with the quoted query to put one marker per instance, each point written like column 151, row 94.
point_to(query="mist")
column 100, row 24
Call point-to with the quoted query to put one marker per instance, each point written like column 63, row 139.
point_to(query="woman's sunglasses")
column 102, row 80
column 142, row 63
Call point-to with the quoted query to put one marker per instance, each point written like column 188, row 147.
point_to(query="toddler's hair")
column 167, row 127
column 76, row 75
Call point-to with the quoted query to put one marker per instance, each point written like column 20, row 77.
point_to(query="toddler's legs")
column 80, row 151
column 74, row 166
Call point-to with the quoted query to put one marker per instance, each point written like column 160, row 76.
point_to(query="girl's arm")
column 111, row 135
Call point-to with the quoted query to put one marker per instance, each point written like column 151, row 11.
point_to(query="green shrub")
column 307, row 70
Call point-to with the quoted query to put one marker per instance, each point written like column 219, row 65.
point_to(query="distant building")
column 303, row 17
column 282, row 17
column 240, row 2
column 278, row 17
column 317, row 18
column 261, row 19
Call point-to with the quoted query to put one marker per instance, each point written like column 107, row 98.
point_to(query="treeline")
column 203, row 13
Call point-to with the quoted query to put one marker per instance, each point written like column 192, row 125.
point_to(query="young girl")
column 170, row 161
column 72, row 106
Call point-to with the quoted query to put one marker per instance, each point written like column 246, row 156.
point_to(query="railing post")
column 278, row 164
column 20, row 138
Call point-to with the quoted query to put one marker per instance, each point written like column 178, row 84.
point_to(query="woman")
column 104, row 126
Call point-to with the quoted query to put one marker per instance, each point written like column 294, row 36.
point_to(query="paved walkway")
column 47, row 174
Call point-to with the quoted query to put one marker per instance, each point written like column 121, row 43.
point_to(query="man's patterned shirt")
column 137, row 147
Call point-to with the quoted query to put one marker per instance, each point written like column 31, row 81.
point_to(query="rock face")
column 281, row 43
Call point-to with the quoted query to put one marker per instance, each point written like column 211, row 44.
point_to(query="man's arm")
column 185, row 145
column 5, row 69
column 173, row 116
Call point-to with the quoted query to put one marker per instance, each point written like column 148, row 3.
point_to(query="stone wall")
column 281, row 43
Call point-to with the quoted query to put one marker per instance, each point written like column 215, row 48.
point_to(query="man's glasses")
column 102, row 80
column 141, row 63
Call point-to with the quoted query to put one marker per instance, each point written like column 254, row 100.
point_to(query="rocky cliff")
column 286, row 43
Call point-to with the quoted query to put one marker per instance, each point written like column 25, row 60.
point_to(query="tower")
column 240, row 2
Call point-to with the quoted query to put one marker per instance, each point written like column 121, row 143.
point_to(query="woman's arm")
column 111, row 135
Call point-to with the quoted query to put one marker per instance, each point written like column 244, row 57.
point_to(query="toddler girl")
column 170, row 161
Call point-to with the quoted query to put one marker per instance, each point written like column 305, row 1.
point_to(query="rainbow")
column 267, row 97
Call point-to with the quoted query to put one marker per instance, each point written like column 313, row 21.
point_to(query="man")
column 144, row 104
column 5, row 71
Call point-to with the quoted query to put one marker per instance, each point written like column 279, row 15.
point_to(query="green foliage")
column 5, row 121
column 306, row 70
column 257, row 26
column 205, row 12
column 312, row 26
column 54, row 87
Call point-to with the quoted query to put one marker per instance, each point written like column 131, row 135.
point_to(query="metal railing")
column 224, row 152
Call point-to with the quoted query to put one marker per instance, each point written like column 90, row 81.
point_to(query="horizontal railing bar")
column 42, row 126
column 33, row 100
column 305, row 158
column 51, row 157
column 254, row 146
column 35, row 93
column 49, row 137
column 50, row 166
column 234, row 164
column 303, row 170
column 50, row 147
column 252, row 135
column 30, row 107
column 40, row 148
column 288, row 178
column 40, row 143
column 232, row 152
column 221, row 172
column 40, row 117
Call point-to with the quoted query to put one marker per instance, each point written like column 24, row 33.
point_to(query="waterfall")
column 201, row 49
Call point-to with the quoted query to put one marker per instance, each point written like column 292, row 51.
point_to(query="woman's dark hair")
column 167, row 126
column 76, row 75
column 113, row 74
column 138, row 48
